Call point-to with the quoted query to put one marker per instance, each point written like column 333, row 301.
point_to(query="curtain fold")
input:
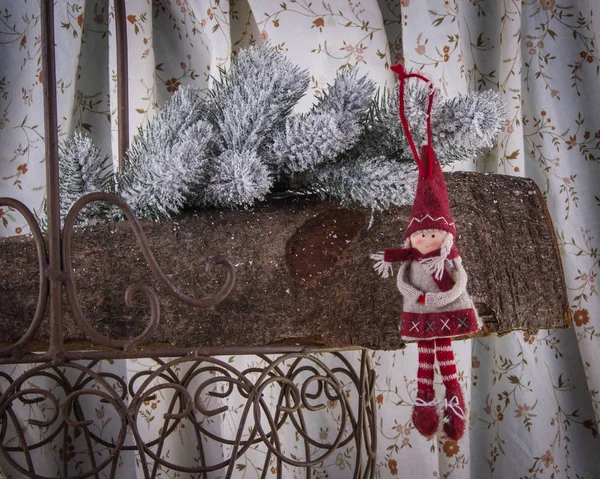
column 534, row 401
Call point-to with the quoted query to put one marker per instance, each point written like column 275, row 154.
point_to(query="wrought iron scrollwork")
column 132, row 290
column 66, row 276
column 274, row 398
column 16, row 348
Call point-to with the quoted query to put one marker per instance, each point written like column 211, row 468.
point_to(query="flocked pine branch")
column 383, row 134
column 83, row 169
column 375, row 183
column 466, row 124
column 231, row 179
column 167, row 158
column 226, row 149
column 235, row 179
column 331, row 127
column 247, row 105
column 461, row 126
column 252, row 100
column 306, row 141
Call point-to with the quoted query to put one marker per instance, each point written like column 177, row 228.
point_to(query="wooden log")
column 303, row 271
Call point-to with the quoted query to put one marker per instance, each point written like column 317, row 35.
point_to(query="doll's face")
column 426, row 241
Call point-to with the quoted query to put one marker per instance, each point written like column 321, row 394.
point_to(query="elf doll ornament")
column 433, row 283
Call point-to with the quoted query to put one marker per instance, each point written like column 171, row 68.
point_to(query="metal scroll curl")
column 17, row 348
column 185, row 407
column 83, row 418
column 132, row 290
column 57, row 422
column 298, row 399
column 289, row 386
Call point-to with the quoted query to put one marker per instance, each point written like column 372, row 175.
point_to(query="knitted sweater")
column 444, row 314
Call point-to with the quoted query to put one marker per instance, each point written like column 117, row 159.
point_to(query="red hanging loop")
column 403, row 76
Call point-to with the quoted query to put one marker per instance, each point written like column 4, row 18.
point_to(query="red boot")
column 455, row 412
column 425, row 415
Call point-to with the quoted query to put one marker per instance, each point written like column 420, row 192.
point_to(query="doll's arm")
column 405, row 288
column 382, row 267
column 460, row 285
column 393, row 255
column 384, row 261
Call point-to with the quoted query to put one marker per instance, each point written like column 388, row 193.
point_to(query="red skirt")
column 445, row 324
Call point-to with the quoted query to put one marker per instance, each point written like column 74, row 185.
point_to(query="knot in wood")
column 317, row 245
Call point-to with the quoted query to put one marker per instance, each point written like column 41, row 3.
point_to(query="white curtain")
column 534, row 400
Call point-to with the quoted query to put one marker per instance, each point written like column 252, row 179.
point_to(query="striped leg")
column 425, row 416
column 454, row 405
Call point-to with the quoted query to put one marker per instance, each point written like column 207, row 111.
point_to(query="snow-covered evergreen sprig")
column 383, row 134
column 461, row 126
column 247, row 106
column 83, row 169
column 253, row 98
column 331, row 127
column 235, row 179
column 166, row 161
column 232, row 147
column 466, row 124
column 375, row 183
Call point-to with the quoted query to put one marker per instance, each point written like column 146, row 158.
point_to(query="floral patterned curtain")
column 534, row 400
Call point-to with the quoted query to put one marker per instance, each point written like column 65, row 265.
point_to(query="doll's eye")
column 423, row 235
column 433, row 236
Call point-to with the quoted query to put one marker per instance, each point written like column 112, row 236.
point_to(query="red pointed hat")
column 431, row 210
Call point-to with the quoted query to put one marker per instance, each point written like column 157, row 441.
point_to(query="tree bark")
column 303, row 271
